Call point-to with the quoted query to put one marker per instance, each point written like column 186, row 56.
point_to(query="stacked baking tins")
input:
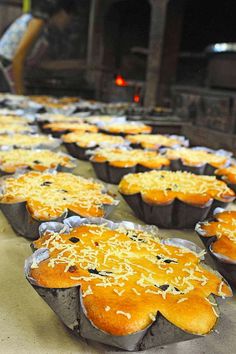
column 163, row 181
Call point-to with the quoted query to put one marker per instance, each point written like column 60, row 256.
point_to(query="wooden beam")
column 157, row 30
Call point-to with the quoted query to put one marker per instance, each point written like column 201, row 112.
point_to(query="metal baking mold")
column 68, row 303
column 25, row 225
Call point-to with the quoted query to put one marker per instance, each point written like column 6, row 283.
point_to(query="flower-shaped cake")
column 129, row 277
column 174, row 199
column 49, row 196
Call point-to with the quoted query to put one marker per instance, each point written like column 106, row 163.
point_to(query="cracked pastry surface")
column 224, row 229
column 37, row 160
column 129, row 158
column 162, row 187
column 129, row 277
column 49, row 196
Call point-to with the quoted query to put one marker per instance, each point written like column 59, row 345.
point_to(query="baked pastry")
column 37, row 160
column 174, row 199
column 28, row 141
column 7, row 128
column 128, row 280
column 60, row 128
column 48, row 196
column 111, row 164
column 156, row 141
column 198, row 160
column 219, row 237
column 78, row 144
column 228, row 174
column 125, row 128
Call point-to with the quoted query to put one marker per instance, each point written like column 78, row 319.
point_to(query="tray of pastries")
column 122, row 285
column 174, row 199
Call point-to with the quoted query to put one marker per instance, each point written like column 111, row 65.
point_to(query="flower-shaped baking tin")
column 68, row 303
column 225, row 265
column 22, row 221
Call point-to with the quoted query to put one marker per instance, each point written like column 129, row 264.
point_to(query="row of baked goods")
column 118, row 284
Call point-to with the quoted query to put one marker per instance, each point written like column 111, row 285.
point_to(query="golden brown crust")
column 127, row 277
column 162, row 187
column 224, row 229
column 49, row 196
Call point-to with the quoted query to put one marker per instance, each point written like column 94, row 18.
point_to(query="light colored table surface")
column 27, row 324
